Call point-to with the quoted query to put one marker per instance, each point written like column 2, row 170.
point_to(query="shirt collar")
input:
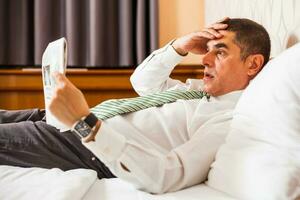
column 231, row 96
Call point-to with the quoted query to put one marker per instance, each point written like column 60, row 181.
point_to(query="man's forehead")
column 227, row 39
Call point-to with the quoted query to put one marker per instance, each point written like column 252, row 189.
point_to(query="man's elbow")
column 135, row 83
column 133, row 79
column 155, row 189
column 164, row 184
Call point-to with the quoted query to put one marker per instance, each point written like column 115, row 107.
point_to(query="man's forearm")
column 152, row 75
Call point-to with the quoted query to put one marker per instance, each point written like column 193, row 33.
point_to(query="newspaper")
column 54, row 59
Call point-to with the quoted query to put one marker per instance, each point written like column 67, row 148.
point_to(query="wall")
column 179, row 17
column 281, row 18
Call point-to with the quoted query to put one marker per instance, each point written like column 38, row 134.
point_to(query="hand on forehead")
column 196, row 42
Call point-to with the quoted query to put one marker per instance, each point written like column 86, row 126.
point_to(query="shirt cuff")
column 108, row 145
column 171, row 57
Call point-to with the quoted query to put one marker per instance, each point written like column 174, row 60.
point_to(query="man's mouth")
column 208, row 76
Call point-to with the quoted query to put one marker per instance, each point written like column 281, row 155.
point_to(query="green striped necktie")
column 111, row 108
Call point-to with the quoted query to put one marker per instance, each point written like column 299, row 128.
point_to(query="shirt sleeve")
column 149, row 168
column 152, row 75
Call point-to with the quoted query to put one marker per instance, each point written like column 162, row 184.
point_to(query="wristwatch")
column 86, row 127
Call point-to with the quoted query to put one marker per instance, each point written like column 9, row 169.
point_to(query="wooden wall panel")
column 22, row 89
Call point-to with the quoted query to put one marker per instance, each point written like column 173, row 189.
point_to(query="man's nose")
column 208, row 59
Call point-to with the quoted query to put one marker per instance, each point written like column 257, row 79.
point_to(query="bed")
column 116, row 188
column 282, row 22
column 37, row 183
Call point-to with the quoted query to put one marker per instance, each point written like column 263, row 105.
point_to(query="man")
column 158, row 149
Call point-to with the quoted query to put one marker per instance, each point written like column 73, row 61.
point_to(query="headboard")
column 281, row 18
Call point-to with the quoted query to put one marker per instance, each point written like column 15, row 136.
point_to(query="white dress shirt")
column 165, row 148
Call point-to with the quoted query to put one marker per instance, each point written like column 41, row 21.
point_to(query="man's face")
column 224, row 70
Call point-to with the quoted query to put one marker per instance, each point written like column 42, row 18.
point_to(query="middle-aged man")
column 159, row 149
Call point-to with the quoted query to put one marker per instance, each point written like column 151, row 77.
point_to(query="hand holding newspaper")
column 54, row 59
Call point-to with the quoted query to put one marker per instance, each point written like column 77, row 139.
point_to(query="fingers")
column 223, row 20
column 205, row 34
column 219, row 25
column 196, row 42
column 59, row 79
column 208, row 33
column 61, row 87
column 213, row 32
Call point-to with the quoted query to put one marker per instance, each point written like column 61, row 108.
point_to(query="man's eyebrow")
column 220, row 45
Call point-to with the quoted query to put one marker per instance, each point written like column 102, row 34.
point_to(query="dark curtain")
column 100, row 33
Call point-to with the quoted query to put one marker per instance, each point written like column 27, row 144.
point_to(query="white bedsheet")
column 18, row 183
column 36, row 183
column 116, row 189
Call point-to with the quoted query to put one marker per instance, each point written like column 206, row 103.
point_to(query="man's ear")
column 254, row 63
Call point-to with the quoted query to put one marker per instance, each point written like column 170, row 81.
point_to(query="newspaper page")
column 54, row 59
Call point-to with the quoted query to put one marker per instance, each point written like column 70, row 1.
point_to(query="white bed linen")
column 18, row 183
column 116, row 189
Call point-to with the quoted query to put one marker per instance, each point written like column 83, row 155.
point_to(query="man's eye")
column 221, row 53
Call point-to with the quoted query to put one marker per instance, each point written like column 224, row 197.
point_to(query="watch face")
column 82, row 128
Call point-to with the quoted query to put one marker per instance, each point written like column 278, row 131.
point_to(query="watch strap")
column 91, row 120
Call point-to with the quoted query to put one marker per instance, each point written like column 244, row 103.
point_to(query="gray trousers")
column 27, row 141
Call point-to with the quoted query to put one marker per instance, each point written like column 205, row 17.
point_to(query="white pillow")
column 260, row 159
